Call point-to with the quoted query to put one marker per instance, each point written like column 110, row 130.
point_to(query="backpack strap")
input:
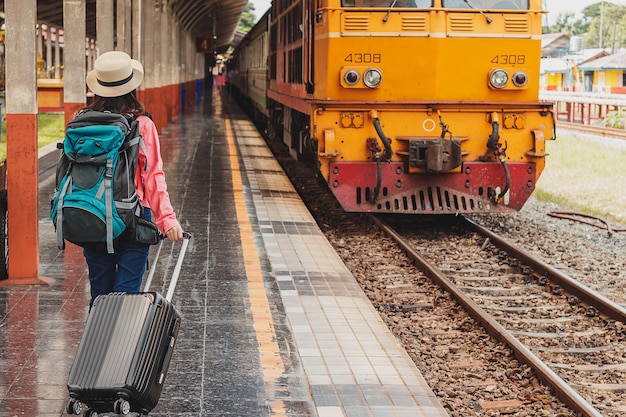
column 142, row 145
column 139, row 140
column 59, row 223
column 108, row 198
column 134, row 127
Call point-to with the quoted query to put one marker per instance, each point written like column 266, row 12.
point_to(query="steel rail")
column 568, row 395
column 588, row 296
column 606, row 132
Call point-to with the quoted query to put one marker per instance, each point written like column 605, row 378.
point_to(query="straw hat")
column 114, row 74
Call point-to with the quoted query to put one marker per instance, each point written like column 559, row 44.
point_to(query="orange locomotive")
column 407, row 106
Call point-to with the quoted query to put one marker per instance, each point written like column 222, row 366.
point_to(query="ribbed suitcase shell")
column 125, row 351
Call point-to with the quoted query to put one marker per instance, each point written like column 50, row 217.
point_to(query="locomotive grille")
column 352, row 22
column 516, row 24
column 414, row 23
column 461, row 23
column 429, row 200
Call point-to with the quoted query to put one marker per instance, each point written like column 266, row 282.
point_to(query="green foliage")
column 565, row 23
column 584, row 173
column 613, row 24
column 611, row 17
column 50, row 126
column 615, row 119
column 248, row 18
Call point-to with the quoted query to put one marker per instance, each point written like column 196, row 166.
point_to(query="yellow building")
column 562, row 61
column 605, row 75
column 553, row 74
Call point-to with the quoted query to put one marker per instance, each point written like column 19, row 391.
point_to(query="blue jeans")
column 121, row 271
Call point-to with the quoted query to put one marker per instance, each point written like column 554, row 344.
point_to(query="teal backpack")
column 95, row 200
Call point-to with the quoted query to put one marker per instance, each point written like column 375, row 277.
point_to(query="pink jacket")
column 150, row 183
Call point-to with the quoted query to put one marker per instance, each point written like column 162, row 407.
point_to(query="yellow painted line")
column 272, row 365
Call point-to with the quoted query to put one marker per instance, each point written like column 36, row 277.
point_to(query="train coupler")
column 435, row 155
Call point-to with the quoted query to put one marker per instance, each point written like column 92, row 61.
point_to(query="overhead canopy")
column 207, row 18
column 215, row 19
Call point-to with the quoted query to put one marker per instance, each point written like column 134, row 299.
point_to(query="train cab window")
column 387, row 3
column 487, row 4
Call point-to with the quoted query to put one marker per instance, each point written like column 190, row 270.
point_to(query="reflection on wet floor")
column 216, row 368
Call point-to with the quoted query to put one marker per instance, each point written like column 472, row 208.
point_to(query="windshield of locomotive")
column 486, row 4
column 387, row 3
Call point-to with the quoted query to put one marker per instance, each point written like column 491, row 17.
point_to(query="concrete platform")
column 273, row 322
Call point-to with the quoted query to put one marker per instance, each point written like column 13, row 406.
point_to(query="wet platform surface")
column 273, row 322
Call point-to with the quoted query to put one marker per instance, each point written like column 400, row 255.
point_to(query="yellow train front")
column 412, row 106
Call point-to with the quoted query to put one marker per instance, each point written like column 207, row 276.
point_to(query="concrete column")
column 179, row 54
column 148, row 61
column 176, row 51
column 49, row 59
column 40, row 43
column 172, row 52
column 166, row 62
column 184, row 64
column 75, row 53
column 57, row 54
column 105, row 25
column 124, row 26
column 159, row 95
column 190, row 64
column 21, row 126
column 166, row 45
column 137, row 35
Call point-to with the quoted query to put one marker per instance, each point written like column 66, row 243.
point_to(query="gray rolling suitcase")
column 125, row 350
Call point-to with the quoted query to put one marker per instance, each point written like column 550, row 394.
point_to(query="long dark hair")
column 125, row 104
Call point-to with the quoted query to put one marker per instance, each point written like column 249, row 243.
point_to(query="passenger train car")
column 404, row 106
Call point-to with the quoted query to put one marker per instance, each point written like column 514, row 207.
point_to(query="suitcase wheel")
column 121, row 406
column 74, row 406
column 91, row 413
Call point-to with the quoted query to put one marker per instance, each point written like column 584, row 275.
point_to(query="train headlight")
column 519, row 79
column 372, row 77
column 498, row 78
column 351, row 77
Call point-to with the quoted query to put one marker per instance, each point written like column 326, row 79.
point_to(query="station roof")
column 202, row 18
column 610, row 62
column 553, row 44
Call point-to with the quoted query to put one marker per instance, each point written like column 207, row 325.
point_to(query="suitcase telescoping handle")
column 177, row 267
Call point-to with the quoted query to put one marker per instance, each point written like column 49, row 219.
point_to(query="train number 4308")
column 509, row 59
column 363, row 58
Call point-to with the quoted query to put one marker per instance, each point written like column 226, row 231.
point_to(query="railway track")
column 591, row 130
column 564, row 331
column 472, row 372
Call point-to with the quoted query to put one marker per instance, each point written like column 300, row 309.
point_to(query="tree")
column 248, row 18
column 608, row 19
column 565, row 23
column 602, row 16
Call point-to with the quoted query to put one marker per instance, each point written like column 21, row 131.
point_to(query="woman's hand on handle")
column 175, row 233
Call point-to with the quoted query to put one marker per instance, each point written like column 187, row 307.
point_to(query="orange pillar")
column 70, row 110
column 21, row 123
